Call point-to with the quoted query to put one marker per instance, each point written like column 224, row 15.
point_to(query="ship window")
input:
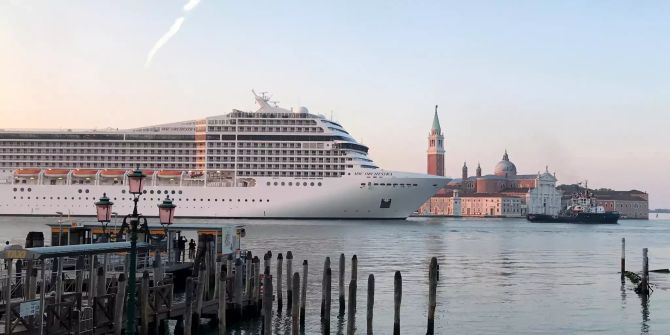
column 216, row 199
column 282, row 184
column 268, row 183
column 144, row 191
column 179, row 192
column 158, row 192
column 79, row 191
column 276, row 183
column 319, row 184
column 290, row 183
column 267, row 200
column 231, row 200
column 58, row 198
column 311, row 184
column 123, row 191
column 21, row 189
column 304, row 184
column 238, row 200
column 362, row 184
column 29, row 189
column 172, row 192
column 86, row 191
column 246, row 200
column 14, row 189
column 151, row 192
column 253, row 200
column 201, row 200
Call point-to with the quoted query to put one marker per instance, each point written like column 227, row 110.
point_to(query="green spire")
column 436, row 122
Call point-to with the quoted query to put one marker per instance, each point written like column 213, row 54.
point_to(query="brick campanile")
column 436, row 148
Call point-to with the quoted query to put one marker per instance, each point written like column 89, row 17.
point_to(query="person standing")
column 191, row 249
column 182, row 248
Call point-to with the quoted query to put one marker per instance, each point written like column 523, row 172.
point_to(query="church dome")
column 505, row 168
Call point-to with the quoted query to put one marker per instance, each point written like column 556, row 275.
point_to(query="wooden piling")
column 144, row 303
column 295, row 315
column 101, row 283
column 623, row 258
column 200, row 289
column 119, row 302
column 354, row 267
column 326, row 265
column 248, row 271
column 397, row 298
column 645, row 272
column 91, row 280
column 222, row 301
column 280, row 259
column 32, row 280
column 326, row 315
column 432, row 293
column 341, row 283
column 289, row 287
column 238, row 288
column 267, row 302
column 59, row 281
column 303, row 294
column 159, row 272
column 371, row 302
column 351, row 313
column 188, row 315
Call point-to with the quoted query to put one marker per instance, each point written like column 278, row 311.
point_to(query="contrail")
column 171, row 32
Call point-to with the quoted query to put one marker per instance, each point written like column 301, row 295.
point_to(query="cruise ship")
column 271, row 163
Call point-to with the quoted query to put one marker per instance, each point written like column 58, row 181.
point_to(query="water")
column 497, row 276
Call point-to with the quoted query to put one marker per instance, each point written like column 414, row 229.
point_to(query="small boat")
column 27, row 172
column 169, row 174
column 583, row 208
column 112, row 173
column 84, row 173
column 56, row 173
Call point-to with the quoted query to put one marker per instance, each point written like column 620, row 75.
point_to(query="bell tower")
column 436, row 148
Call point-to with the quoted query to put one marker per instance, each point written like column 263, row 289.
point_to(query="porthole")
column 79, row 191
column 201, row 200
column 29, row 189
column 151, row 192
column 14, row 197
column 73, row 198
column 21, row 189
column 216, row 200
column 144, row 191
column 231, row 200
column 86, row 191
column 238, row 200
column 276, row 183
column 207, row 199
column 290, row 183
column 253, row 200
column 268, row 183
column 304, row 183
column 179, row 192
column 51, row 198
column 28, row 198
column 14, row 189
column 267, row 200
column 58, row 198
column 311, row 184
column 158, row 192
column 44, row 198
column 172, row 192
column 246, row 200
column 152, row 199
column 166, row 192
column 123, row 191
column 282, row 184
column 186, row 199
column 319, row 184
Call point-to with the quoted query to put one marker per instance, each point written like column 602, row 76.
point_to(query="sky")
column 578, row 86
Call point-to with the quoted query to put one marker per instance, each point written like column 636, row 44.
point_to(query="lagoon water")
column 497, row 276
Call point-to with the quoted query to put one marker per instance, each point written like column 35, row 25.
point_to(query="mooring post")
column 80, row 267
column 295, row 314
column 371, row 302
column 354, row 267
column 303, row 294
column 267, row 302
column 623, row 258
column 432, row 293
column 144, row 303
column 27, row 287
column 326, row 315
column 222, row 300
column 645, row 272
column 101, row 283
column 8, row 296
column 280, row 259
column 397, row 297
column 158, row 268
column 200, row 292
column 119, row 302
column 90, row 289
column 257, row 283
column 238, row 288
column 32, row 292
column 188, row 315
column 289, row 287
column 351, row 313
column 248, row 272
column 341, row 283
column 270, row 259
column 326, row 265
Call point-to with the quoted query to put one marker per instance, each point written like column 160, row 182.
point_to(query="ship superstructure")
column 272, row 163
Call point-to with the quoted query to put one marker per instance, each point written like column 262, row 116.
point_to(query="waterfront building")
column 631, row 204
column 436, row 148
column 503, row 193
column 269, row 163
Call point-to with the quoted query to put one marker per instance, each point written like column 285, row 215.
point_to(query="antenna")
column 331, row 115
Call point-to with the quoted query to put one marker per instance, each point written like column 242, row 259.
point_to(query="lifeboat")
column 27, row 172
column 112, row 173
column 56, row 173
column 84, row 173
column 148, row 173
column 196, row 174
column 169, row 174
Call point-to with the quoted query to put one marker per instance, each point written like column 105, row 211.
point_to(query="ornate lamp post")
column 103, row 210
column 166, row 216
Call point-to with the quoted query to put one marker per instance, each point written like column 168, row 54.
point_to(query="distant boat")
column 582, row 209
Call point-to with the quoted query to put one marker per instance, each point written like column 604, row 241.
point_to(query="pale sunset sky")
column 580, row 86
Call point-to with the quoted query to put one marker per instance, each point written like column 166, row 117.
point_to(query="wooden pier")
column 50, row 294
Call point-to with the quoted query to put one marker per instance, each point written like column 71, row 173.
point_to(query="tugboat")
column 583, row 208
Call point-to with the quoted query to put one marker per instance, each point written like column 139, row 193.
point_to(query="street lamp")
column 104, row 213
column 166, row 215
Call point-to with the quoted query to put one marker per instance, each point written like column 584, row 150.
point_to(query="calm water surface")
column 497, row 276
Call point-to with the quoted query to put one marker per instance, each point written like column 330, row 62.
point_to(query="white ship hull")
column 347, row 197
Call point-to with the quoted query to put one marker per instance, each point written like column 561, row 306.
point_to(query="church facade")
column 501, row 194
